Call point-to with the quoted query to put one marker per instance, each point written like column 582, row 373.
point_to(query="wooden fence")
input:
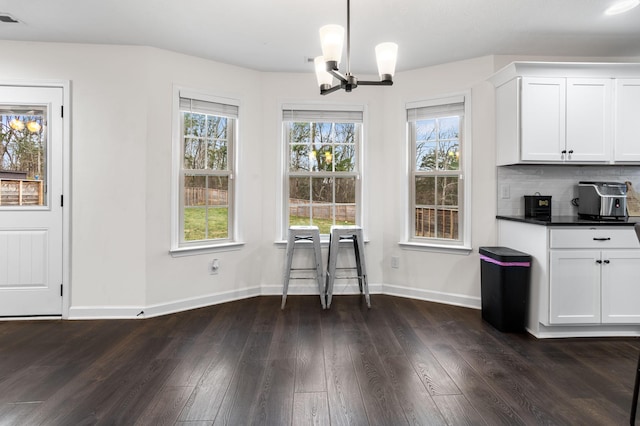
column 194, row 196
column 344, row 212
column 447, row 221
column 21, row 192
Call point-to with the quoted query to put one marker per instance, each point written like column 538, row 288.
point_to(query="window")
column 207, row 140
column 439, row 158
column 23, row 156
column 322, row 185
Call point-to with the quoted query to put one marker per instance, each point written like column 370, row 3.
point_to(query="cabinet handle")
column 599, row 262
column 564, row 151
column 607, row 262
column 570, row 151
column 602, row 239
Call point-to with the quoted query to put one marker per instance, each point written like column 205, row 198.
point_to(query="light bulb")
column 33, row 126
column 17, row 124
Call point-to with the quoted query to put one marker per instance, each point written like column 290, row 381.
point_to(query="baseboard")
column 433, row 296
column 150, row 311
column 104, row 312
column 200, row 302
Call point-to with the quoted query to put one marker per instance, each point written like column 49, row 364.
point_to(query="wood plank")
column 434, row 377
column 457, row 410
column 310, row 372
column 165, row 406
column 274, row 401
column 380, row 401
column 310, row 408
column 416, row 401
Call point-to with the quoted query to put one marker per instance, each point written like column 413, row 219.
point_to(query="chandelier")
column 332, row 38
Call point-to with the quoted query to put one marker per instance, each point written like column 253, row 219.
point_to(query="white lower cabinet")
column 574, row 287
column 585, row 280
column 621, row 287
column 594, row 276
column 592, row 287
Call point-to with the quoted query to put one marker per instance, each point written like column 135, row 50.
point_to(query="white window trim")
column 233, row 242
column 408, row 241
column 362, row 199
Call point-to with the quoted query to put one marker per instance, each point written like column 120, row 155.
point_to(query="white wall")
column 108, row 187
column 121, row 177
column 440, row 275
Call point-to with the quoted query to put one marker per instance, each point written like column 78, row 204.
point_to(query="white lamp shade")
column 386, row 56
column 332, row 39
column 622, row 6
column 321, row 71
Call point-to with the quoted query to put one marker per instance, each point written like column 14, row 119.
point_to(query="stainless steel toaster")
column 602, row 200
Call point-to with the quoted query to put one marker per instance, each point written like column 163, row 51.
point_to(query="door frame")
column 65, row 85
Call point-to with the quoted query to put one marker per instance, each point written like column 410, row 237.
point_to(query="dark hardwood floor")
column 247, row 362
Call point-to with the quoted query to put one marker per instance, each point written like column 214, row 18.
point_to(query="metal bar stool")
column 347, row 233
column 636, row 387
column 301, row 234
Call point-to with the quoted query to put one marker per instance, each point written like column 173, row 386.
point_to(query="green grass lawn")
column 323, row 224
column 194, row 223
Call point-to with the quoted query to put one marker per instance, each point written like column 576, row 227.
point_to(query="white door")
column 30, row 201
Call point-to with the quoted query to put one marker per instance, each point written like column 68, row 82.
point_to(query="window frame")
column 463, row 243
column 178, row 245
column 325, row 115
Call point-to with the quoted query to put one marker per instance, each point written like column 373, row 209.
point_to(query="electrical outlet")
column 395, row 262
column 214, row 266
column 505, row 192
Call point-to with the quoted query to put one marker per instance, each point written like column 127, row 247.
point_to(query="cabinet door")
column 589, row 119
column 508, row 123
column 621, row 286
column 543, row 119
column 627, row 120
column 574, row 287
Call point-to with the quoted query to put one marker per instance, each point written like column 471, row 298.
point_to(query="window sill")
column 192, row 251
column 439, row 248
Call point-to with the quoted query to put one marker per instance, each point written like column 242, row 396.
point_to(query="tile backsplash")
column 559, row 181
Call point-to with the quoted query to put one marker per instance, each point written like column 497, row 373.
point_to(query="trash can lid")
column 505, row 254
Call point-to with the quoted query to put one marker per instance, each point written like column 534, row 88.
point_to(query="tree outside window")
column 322, row 174
column 206, row 175
column 436, row 172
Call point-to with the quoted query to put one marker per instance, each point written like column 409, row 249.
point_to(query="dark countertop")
column 571, row 221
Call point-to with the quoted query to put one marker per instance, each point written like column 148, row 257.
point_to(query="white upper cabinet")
column 567, row 113
column 589, row 116
column 543, row 119
column 627, row 120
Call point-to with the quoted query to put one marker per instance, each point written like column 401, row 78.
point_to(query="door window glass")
column 23, row 154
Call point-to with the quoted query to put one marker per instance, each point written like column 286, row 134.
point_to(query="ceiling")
column 279, row 35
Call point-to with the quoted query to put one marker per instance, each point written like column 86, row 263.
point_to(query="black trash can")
column 505, row 279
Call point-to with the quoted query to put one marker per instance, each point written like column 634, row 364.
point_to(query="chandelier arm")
column 336, row 74
column 375, row 83
column 331, row 90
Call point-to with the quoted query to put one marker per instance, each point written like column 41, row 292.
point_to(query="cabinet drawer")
column 594, row 238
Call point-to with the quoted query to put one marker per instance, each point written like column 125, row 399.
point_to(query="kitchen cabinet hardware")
column 602, row 239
